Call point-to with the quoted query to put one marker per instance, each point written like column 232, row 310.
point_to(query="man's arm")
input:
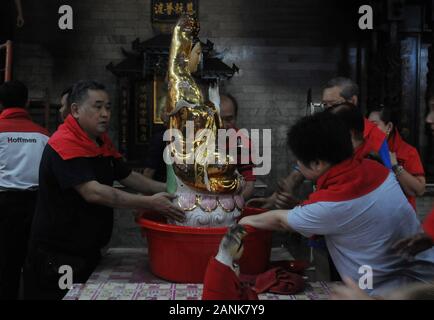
column 143, row 184
column 97, row 193
column 248, row 190
column 148, row 172
column 271, row 220
column 283, row 198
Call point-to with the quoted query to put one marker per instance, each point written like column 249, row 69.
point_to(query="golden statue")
column 207, row 171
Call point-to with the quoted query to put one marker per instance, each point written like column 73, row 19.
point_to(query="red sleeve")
column 428, row 224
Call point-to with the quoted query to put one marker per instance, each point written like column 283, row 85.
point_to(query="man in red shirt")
column 337, row 91
column 228, row 114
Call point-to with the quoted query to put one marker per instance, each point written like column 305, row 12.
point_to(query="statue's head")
column 184, row 58
column 185, row 38
column 188, row 27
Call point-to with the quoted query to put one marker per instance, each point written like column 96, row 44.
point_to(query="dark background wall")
column 282, row 48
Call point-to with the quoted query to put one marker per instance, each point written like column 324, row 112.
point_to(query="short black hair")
column 348, row 86
column 66, row 91
column 350, row 115
column 322, row 136
column 13, row 94
column 79, row 91
column 234, row 102
column 386, row 114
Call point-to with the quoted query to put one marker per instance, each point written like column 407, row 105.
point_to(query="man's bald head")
column 228, row 111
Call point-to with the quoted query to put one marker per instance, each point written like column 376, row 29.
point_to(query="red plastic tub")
column 181, row 254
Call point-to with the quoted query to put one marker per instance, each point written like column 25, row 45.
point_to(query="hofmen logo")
column 66, row 20
column 205, row 152
column 65, row 281
column 21, row 140
column 366, row 280
column 366, row 21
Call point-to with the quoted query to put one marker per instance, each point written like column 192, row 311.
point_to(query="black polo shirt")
column 154, row 155
column 63, row 220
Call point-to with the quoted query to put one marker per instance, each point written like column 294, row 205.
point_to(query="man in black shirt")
column 74, row 216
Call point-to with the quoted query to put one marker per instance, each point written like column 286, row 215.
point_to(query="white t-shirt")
column 360, row 233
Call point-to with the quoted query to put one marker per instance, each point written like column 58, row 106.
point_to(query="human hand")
column 20, row 21
column 411, row 246
column 348, row 291
column 285, row 200
column 258, row 202
column 162, row 202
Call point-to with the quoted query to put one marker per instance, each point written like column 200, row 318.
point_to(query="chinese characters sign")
column 171, row 10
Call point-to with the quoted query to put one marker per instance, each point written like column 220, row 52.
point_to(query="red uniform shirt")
column 408, row 157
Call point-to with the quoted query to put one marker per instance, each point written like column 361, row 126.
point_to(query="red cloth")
column 221, row 283
column 296, row 266
column 279, row 281
column 70, row 141
column 408, row 157
column 18, row 120
column 428, row 224
column 348, row 180
column 375, row 136
column 374, row 139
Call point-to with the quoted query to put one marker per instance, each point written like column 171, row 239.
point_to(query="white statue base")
column 206, row 209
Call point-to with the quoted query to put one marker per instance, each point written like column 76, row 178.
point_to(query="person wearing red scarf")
column 21, row 145
column 228, row 114
column 338, row 91
column 74, row 211
column 406, row 162
column 424, row 240
column 358, row 207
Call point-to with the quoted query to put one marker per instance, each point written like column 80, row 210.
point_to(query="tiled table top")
column 124, row 275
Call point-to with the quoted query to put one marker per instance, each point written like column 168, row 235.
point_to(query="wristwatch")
column 397, row 169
